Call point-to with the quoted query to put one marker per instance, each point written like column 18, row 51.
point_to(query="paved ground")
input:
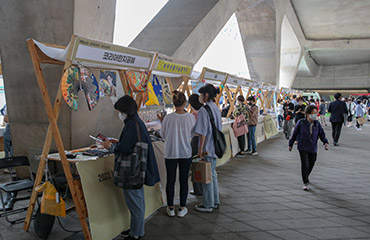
column 261, row 198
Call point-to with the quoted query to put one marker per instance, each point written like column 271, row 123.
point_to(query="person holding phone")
column 308, row 131
column 299, row 110
column 135, row 200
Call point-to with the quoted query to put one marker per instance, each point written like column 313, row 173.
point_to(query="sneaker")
column 170, row 212
column 240, row 154
column 305, row 187
column 201, row 208
column 358, row 129
column 182, row 212
column 125, row 233
column 336, row 144
column 248, row 151
column 216, row 206
column 254, row 153
column 132, row 238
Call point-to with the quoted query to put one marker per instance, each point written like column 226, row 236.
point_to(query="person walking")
column 176, row 130
column 322, row 113
column 337, row 110
column 351, row 106
column 359, row 114
column 280, row 113
column 134, row 127
column 307, row 132
column 288, row 117
column 203, row 127
column 252, row 126
column 299, row 110
column 241, row 109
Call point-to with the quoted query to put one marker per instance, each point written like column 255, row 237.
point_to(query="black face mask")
column 250, row 104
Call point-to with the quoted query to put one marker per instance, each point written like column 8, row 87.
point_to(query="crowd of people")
column 190, row 135
column 309, row 118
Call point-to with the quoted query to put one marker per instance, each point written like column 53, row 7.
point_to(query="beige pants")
column 323, row 120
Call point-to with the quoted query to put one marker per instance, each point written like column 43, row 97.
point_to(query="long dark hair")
column 126, row 104
column 211, row 90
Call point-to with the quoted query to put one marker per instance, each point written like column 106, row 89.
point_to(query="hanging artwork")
column 69, row 86
column 108, row 84
column 90, row 87
column 138, row 82
column 76, row 79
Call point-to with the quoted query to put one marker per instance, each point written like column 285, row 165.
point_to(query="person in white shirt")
column 176, row 130
column 351, row 106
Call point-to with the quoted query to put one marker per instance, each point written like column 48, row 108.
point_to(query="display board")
column 106, row 205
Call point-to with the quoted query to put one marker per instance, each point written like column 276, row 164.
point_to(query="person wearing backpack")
column 206, row 150
column 241, row 109
column 307, row 132
column 133, row 132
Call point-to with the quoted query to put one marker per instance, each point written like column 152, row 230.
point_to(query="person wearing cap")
column 288, row 117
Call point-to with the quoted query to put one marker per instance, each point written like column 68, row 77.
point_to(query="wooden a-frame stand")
column 53, row 133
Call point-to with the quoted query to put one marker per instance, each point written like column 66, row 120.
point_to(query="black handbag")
column 218, row 136
column 130, row 168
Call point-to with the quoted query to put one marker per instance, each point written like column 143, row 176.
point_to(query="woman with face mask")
column 307, row 132
column 127, row 112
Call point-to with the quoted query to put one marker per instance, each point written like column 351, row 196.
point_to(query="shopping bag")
column 240, row 126
column 361, row 120
column 157, row 89
column 51, row 202
column 202, row 172
column 152, row 98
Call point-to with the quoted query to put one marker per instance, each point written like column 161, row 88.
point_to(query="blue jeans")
column 136, row 204
column 8, row 149
column 210, row 190
column 252, row 146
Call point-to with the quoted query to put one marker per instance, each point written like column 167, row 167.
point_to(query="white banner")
column 248, row 83
column 257, row 85
column 94, row 53
column 214, row 75
column 234, row 80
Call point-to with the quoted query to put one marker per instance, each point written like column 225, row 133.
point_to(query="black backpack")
column 218, row 136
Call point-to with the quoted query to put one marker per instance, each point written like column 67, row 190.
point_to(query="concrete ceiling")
column 333, row 19
column 340, row 56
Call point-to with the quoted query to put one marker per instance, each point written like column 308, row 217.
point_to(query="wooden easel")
column 222, row 89
column 53, row 133
column 233, row 100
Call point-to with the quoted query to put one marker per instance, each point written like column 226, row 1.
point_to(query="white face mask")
column 313, row 117
column 122, row 116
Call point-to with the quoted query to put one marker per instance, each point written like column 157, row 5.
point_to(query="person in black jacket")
column 337, row 110
column 127, row 108
column 299, row 110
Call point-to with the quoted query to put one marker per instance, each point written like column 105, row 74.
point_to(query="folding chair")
column 13, row 187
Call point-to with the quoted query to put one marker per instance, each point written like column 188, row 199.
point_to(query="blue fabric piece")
column 157, row 89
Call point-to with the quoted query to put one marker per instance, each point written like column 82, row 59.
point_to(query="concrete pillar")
column 47, row 21
column 185, row 29
column 257, row 22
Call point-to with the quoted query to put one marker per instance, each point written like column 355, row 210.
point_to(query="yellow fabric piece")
column 49, row 204
column 152, row 98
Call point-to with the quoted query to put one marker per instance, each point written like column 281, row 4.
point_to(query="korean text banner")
column 93, row 53
column 248, row 83
column 170, row 65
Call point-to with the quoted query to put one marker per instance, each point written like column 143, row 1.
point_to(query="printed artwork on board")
column 108, row 83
